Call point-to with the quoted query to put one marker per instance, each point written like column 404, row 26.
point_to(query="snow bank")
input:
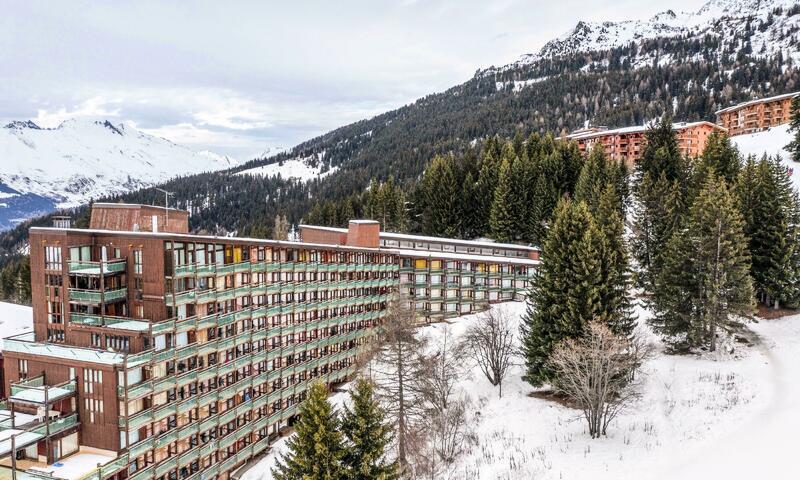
column 297, row 168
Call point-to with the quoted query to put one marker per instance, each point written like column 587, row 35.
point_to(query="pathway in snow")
column 765, row 446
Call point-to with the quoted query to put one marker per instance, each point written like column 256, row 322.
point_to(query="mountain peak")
column 21, row 124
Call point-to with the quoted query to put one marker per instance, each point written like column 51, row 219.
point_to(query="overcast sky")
column 240, row 77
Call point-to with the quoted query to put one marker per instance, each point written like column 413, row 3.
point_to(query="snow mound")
column 14, row 319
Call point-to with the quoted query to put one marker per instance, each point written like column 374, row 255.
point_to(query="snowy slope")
column 43, row 169
column 698, row 417
column 297, row 168
column 771, row 142
column 14, row 319
column 722, row 19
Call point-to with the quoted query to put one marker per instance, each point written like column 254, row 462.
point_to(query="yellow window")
column 420, row 263
column 436, row 264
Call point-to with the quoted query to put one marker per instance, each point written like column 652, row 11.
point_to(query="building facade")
column 756, row 115
column 160, row 355
column 627, row 144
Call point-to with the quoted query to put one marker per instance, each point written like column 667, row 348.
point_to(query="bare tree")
column 397, row 369
column 597, row 372
column 280, row 229
column 447, row 436
column 490, row 343
column 443, row 368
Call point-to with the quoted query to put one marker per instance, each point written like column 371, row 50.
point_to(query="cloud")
column 94, row 107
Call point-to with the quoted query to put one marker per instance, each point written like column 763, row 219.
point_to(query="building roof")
column 635, row 129
column 759, row 100
column 423, row 238
column 433, row 255
column 135, row 205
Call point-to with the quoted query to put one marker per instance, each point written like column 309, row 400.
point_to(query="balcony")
column 80, row 267
column 97, row 296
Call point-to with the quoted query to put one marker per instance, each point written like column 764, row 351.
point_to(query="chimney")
column 364, row 233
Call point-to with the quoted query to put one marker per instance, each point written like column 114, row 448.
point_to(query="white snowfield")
column 296, row 168
column 83, row 159
column 772, row 142
column 725, row 416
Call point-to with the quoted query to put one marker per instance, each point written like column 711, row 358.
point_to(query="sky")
column 245, row 77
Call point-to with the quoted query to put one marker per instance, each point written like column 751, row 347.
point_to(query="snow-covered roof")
column 636, row 129
column 757, row 101
column 14, row 319
column 37, row 394
column 25, row 343
column 423, row 238
column 135, row 205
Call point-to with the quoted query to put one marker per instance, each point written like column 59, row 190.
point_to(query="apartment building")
column 756, row 115
column 161, row 355
column 627, row 144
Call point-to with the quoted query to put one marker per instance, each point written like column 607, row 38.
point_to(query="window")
column 55, row 335
column 54, row 312
column 93, row 406
column 137, row 261
column 23, row 369
column 52, row 258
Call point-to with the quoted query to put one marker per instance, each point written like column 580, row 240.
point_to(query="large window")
column 52, row 258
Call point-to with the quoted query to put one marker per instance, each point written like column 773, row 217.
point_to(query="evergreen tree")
column 565, row 292
column 470, row 216
column 316, row 449
column 367, row 436
column 502, row 216
column 592, row 180
column 661, row 154
column 719, row 156
column 705, row 283
column 769, row 207
column 440, row 197
column 794, row 127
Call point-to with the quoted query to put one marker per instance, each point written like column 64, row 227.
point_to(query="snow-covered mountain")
column 44, row 169
column 776, row 24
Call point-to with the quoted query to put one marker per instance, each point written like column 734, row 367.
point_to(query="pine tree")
column 565, row 293
column 794, row 127
column 501, row 218
column 316, row 449
column 719, row 156
column 593, row 178
column 440, row 196
column 705, row 283
column 367, row 436
column 470, row 221
column 661, row 154
column 768, row 204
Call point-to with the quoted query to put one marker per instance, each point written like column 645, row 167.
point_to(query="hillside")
column 620, row 74
column 46, row 169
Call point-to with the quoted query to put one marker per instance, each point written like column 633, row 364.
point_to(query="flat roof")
column 423, row 238
column 636, row 129
column 757, row 101
column 466, row 256
column 135, row 205
column 210, row 238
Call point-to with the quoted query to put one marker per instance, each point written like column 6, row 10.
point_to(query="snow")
column 297, row 168
column 716, row 18
column 76, row 466
column 771, row 142
column 83, row 159
column 14, row 319
column 724, row 415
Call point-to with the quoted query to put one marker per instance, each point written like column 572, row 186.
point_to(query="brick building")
column 161, row 355
column 756, row 115
column 627, row 144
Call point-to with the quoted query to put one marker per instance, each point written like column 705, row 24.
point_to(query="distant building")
column 627, row 144
column 756, row 115
column 161, row 355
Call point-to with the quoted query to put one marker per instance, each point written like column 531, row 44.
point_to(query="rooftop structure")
column 170, row 356
column 627, row 144
column 757, row 115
